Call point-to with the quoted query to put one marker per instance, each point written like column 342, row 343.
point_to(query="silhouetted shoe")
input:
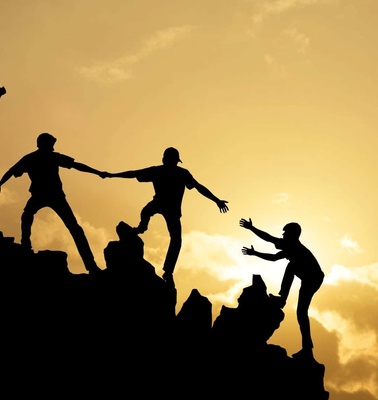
column 94, row 270
column 303, row 353
column 278, row 300
column 140, row 229
column 168, row 277
column 27, row 249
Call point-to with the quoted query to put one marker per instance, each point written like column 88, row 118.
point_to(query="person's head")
column 292, row 231
column 171, row 156
column 45, row 141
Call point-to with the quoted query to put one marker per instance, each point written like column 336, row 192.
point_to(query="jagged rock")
column 131, row 280
column 195, row 318
column 252, row 323
column 117, row 333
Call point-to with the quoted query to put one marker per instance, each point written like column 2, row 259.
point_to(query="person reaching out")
column 302, row 263
column 46, row 190
column 169, row 182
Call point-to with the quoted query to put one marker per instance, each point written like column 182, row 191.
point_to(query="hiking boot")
column 278, row 300
column 303, row 353
column 140, row 229
column 94, row 269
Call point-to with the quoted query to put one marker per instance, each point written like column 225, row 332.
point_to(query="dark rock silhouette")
column 118, row 333
column 253, row 321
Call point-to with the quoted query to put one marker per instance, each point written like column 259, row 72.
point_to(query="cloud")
column 275, row 68
column 49, row 232
column 357, row 353
column 280, row 198
column 8, row 197
column 122, row 68
column 289, row 46
column 301, row 41
column 350, row 245
column 267, row 8
column 216, row 266
column 346, row 305
column 365, row 275
column 354, row 342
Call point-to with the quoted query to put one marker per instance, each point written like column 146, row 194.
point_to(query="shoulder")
column 146, row 174
column 31, row 155
column 185, row 172
column 28, row 157
column 279, row 243
column 62, row 159
column 149, row 170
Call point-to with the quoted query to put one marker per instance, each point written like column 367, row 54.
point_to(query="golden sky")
column 273, row 107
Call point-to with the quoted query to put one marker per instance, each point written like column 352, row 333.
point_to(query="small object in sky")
column 2, row 91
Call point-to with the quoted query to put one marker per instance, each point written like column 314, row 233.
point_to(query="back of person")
column 169, row 184
column 303, row 262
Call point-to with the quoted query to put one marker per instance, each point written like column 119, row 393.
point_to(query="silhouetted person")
column 46, row 190
column 169, row 182
column 302, row 264
column 2, row 91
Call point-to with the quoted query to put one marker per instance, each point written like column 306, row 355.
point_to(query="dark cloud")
column 360, row 395
column 351, row 300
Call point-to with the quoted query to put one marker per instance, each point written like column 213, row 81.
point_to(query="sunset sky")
column 273, row 107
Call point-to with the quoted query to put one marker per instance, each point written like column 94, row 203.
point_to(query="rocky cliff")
column 118, row 333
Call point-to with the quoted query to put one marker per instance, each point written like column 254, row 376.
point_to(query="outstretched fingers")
column 248, row 251
column 245, row 224
column 223, row 206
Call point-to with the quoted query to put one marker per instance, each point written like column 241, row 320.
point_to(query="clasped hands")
column 105, row 174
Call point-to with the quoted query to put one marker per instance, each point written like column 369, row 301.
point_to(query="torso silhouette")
column 169, row 184
column 43, row 170
column 303, row 263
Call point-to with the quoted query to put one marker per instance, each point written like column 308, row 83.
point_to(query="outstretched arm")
column 222, row 204
column 265, row 256
column 258, row 232
column 125, row 174
column 6, row 176
column 85, row 168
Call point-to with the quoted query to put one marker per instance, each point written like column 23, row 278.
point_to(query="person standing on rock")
column 302, row 263
column 169, row 182
column 46, row 190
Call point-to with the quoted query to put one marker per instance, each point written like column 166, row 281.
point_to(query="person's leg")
column 145, row 215
column 286, row 283
column 304, row 300
column 306, row 293
column 32, row 206
column 62, row 208
column 175, row 231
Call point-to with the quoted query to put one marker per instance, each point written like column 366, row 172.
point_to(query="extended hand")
column 222, row 206
column 246, row 224
column 248, row 251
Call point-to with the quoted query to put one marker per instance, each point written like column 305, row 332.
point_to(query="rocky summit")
column 117, row 333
